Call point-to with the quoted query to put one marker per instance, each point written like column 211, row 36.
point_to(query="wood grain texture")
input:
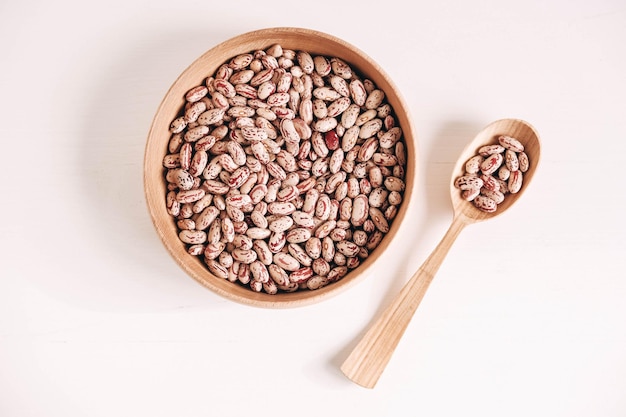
column 368, row 359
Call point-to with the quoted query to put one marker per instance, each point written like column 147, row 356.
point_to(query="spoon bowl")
column 520, row 130
column 368, row 359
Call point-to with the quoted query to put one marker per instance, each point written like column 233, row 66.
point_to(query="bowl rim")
column 254, row 40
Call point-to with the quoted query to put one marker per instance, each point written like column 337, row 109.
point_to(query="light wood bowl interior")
column 158, row 138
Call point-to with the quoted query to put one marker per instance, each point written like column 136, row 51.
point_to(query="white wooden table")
column 97, row 320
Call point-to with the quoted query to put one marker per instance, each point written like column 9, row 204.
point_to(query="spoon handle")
column 368, row 359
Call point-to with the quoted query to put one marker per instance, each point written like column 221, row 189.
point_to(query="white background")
column 527, row 315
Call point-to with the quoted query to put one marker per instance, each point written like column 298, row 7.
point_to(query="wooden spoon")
column 366, row 362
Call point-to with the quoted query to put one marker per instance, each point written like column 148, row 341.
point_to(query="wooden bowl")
column 159, row 135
